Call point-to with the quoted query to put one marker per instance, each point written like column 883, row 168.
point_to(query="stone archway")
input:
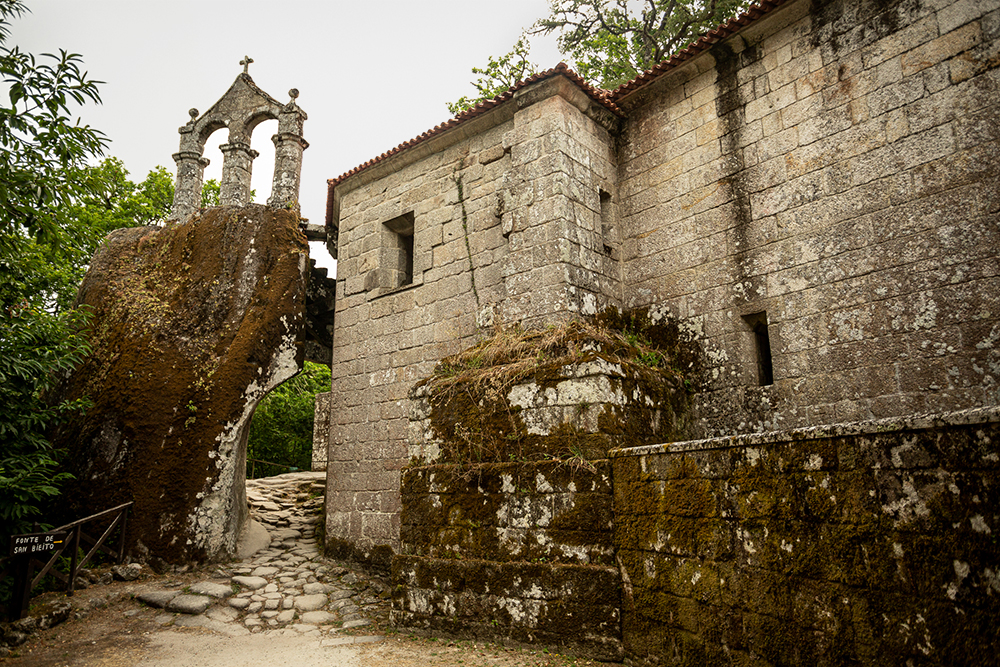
column 240, row 109
column 193, row 323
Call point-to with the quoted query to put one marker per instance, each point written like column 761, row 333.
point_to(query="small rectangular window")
column 397, row 252
column 607, row 222
column 757, row 323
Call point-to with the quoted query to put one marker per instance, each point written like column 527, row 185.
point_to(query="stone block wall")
column 545, row 511
column 871, row 543
column 830, row 172
column 321, row 430
column 507, row 533
column 573, row 609
column 812, row 198
column 558, row 209
column 386, row 338
column 497, row 223
column 516, row 552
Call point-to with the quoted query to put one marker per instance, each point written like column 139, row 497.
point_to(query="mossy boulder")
column 192, row 324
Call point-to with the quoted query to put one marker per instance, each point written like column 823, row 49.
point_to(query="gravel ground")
column 110, row 628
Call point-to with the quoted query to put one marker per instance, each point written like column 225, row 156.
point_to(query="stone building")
column 808, row 195
column 809, row 190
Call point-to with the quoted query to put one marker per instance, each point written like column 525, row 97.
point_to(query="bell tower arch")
column 240, row 109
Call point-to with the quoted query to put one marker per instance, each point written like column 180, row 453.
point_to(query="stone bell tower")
column 241, row 109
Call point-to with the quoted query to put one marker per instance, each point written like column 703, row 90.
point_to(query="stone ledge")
column 918, row 422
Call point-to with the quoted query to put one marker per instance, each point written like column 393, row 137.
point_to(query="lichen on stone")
column 192, row 324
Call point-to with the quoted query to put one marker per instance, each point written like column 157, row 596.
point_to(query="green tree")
column 49, row 273
column 499, row 75
column 44, row 147
column 609, row 42
column 210, row 191
column 113, row 201
column 34, row 348
column 44, row 155
column 613, row 41
column 109, row 201
column 282, row 426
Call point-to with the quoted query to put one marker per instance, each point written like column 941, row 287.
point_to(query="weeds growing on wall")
column 511, row 354
column 471, row 410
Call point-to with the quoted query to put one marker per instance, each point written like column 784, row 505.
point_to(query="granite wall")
column 516, row 552
column 828, row 172
column 812, row 198
column 500, row 222
column 870, row 543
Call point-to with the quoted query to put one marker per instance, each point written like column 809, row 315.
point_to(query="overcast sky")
column 371, row 75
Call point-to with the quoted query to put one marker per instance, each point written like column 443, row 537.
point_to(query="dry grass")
column 513, row 353
column 469, row 390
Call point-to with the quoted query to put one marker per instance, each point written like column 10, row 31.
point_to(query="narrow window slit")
column 607, row 222
column 757, row 323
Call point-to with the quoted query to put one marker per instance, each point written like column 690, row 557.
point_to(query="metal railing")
column 255, row 466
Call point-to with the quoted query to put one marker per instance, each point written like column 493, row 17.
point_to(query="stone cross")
column 246, row 64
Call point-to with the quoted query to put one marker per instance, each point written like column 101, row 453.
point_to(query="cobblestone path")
column 287, row 588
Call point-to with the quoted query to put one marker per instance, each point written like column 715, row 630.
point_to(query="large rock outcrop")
column 192, row 325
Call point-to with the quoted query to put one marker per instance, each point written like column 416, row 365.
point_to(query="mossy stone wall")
column 874, row 543
column 571, row 607
column 518, row 552
column 545, row 512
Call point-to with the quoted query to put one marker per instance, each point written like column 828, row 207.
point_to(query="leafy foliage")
column 613, row 41
column 47, row 273
column 112, row 201
column 41, row 275
column 281, row 430
column 44, row 156
column 499, row 75
column 109, row 201
column 44, row 149
column 210, row 191
column 35, row 347
column 609, row 42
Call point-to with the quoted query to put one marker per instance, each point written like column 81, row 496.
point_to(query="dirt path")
column 123, row 633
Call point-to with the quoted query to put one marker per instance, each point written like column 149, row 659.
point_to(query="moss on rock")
column 192, row 324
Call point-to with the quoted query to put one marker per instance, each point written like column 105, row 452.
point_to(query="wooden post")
column 72, row 560
column 121, row 542
column 22, row 588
